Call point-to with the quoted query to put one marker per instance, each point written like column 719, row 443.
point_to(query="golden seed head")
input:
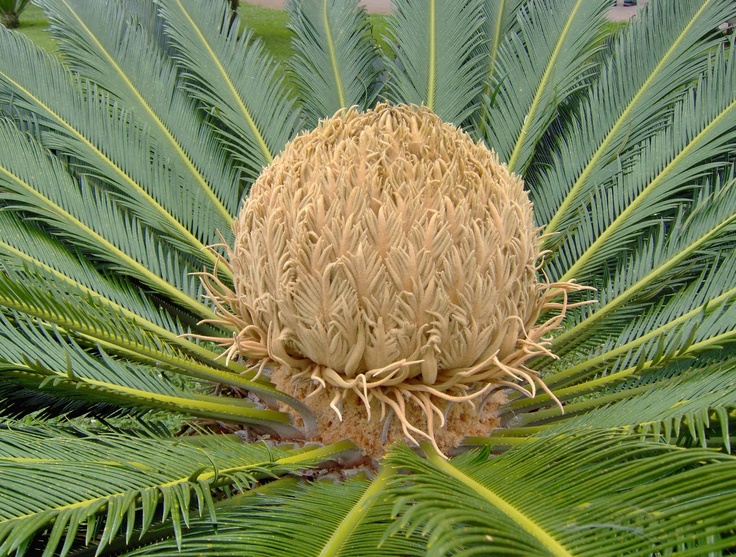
column 387, row 255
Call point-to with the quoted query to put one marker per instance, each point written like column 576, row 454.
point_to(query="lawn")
column 268, row 24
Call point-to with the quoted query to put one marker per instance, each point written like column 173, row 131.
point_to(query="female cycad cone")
column 386, row 258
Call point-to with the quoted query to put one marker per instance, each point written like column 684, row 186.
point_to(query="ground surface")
column 617, row 13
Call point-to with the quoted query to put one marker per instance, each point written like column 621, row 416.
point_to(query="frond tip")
column 386, row 259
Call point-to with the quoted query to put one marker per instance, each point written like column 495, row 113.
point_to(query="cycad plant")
column 538, row 372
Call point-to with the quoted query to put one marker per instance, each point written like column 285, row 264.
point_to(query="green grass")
column 267, row 24
column 270, row 26
column 34, row 26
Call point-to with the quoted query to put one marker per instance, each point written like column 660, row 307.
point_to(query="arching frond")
column 589, row 492
column 324, row 519
column 36, row 182
column 332, row 69
column 437, row 56
column 629, row 102
column 687, row 396
column 145, row 481
column 234, row 78
column 658, row 268
column 101, row 43
column 535, row 75
column 665, row 174
column 37, row 357
column 98, row 140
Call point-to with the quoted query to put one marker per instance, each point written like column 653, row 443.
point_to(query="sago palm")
column 468, row 292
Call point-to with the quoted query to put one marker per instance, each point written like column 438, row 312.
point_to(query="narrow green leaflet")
column 100, row 42
column 535, row 75
column 234, row 78
column 438, row 56
column 333, row 70
column 128, row 482
column 574, row 493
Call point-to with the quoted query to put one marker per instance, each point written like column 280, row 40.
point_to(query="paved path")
column 618, row 13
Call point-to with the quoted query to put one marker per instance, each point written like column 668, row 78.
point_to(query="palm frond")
column 34, row 356
column 666, row 174
column 325, row 519
column 535, row 75
column 101, row 43
column 38, row 183
column 145, row 480
column 659, row 267
column 697, row 319
column 696, row 397
column 97, row 139
column 26, row 248
column 333, row 70
column 578, row 493
column 97, row 323
column 437, row 56
column 629, row 102
column 499, row 21
column 234, row 78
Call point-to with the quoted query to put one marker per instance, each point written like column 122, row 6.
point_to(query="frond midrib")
column 333, row 56
column 217, row 204
column 546, row 77
column 620, row 123
column 260, row 140
column 525, row 522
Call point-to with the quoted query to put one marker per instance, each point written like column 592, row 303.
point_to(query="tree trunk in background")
column 10, row 19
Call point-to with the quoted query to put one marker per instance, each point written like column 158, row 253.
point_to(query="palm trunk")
column 10, row 20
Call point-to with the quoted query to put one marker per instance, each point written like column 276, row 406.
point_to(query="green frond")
column 97, row 139
column 26, row 248
column 686, row 395
column 37, row 357
column 578, row 493
column 628, row 103
column 121, row 483
column 324, row 519
column 499, row 21
column 538, row 66
column 659, row 267
column 333, row 70
column 697, row 319
column 98, row 322
column 234, row 78
column 665, row 174
column 438, row 62
column 36, row 182
column 101, row 43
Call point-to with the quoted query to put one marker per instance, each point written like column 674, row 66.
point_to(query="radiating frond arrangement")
column 125, row 162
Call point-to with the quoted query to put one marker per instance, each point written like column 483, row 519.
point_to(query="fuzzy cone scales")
column 387, row 256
